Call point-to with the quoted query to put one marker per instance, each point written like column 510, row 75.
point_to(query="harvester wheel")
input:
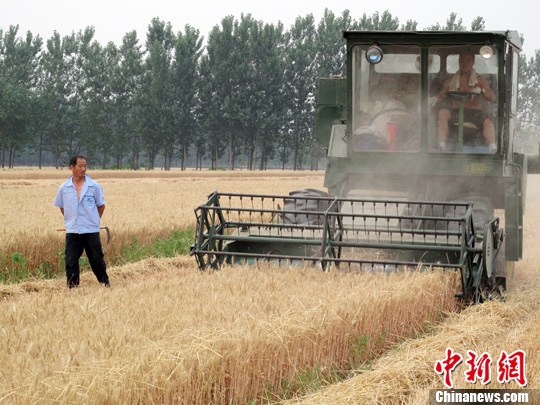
column 490, row 285
column 504, row 270
column 300, row 205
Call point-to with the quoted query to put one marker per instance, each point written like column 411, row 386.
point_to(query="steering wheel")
column 462, row 95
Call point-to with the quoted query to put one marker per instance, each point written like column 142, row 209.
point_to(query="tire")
column 310, row 203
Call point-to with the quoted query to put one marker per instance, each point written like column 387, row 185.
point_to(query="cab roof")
column 509, row 36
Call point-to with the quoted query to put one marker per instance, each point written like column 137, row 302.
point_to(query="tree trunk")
column 11, row 157
column 295, row 158
column 151, row 158
column 231, row 154
column 134, row 154
column 40, row 150
column 243, row 152
column 169, row 159
column 135, row 160
column 57, row 158
column 184, row 156
column 253, row 150
column 201, row 160
column 214, row 158
column 263, row 154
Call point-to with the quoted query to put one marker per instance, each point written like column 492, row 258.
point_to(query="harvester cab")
column 422, row 170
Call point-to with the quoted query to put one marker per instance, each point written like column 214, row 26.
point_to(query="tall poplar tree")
column 299, row 89
column 127, row 84
column 19, row 61
column 220, row 67
column 156, row 118
column 184, row 86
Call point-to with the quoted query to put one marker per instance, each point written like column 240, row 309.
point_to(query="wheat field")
column 166, row 333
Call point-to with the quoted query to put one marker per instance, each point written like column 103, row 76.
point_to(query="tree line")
column 246, row 93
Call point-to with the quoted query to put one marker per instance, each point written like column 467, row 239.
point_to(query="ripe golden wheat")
column 166, row 333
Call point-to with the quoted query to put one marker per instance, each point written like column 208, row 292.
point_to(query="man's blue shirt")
column 80, row 216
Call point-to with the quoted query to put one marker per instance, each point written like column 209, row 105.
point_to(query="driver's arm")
column 441, row 95
column 485, row 89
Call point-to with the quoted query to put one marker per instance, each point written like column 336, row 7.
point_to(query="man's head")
column 466, row 62
column 77, row 165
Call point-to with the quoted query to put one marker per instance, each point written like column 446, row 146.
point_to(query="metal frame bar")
column 214, row 228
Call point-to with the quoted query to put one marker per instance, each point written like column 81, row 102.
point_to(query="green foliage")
column 453, row 23
column 13, row 268
column 46, row 271
column 18, row 75
column 306, row 381
column 177, row 243
column 300, row 76
column 478, row 24
column 379, row 22
column 528, row 96
column 381, row 339
column 358, row 346
column 184, row 86
column 18, row 259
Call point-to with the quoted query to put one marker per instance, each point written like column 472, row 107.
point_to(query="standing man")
column 81, row 202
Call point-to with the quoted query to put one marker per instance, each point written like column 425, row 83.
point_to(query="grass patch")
column 358, row 346
column 13, row 267
column 309, row 380
column 177, row 243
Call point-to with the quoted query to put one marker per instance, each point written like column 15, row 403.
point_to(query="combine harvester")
column 404, row 191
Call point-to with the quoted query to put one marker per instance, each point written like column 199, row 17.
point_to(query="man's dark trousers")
column 91, row 244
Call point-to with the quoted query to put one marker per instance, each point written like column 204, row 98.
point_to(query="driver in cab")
column 465, row 80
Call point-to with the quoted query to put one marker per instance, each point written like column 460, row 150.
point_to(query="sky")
column 112, row 19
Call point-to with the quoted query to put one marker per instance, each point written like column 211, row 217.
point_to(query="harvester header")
column 344, row 233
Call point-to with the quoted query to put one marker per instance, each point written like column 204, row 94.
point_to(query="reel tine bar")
column 235, row 227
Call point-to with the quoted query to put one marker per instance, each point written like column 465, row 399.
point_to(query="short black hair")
column 73, row 160
column 468, row 52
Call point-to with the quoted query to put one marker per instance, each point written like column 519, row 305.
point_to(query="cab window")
column 386, row 98
column 462, row 111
